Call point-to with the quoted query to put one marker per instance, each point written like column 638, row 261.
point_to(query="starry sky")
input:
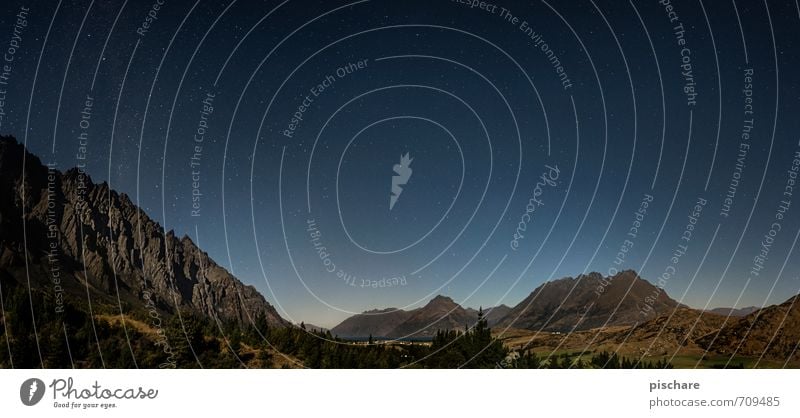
column 545, row 140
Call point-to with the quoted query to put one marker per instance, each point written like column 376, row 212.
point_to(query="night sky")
column 270, row 132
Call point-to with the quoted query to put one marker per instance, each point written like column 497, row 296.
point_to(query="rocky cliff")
column 84, row 239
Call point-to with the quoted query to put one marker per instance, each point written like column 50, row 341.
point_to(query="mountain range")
column 564, row 305
column 66, row 237
column 441, row 312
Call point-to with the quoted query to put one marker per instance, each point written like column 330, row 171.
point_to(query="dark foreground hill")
column 771, row 333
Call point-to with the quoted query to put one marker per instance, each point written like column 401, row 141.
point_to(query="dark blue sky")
column 627, row 100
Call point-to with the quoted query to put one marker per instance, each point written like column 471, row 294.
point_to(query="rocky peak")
column 442, row 300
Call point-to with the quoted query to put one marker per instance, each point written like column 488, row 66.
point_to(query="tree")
column 185, row 334
column 474, row 348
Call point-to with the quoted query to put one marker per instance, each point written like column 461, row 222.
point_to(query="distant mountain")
column 734, row 311
column 773, row 331
column 589, row 301
column 378, row 323
column 97, row 243
column 586, row 302
column 495, row 314
column 440, row 312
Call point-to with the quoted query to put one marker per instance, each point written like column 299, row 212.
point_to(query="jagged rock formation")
column 89, row 238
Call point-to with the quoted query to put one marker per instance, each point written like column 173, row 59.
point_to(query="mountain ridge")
column 439, row 313
column 738, row 312
column 589, row 301
column 772, row 332
column 86, row 231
